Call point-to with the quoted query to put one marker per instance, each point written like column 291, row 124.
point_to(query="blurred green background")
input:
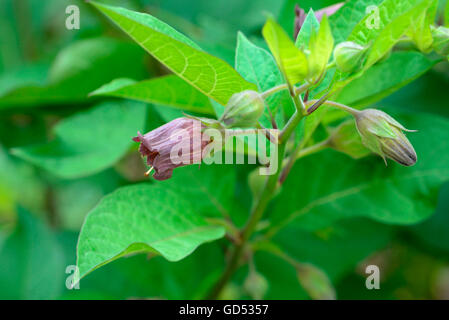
column 46, row 74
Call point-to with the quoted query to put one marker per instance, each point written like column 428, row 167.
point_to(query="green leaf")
column 77, row 70
column 19, row 185
column 395, row 17
column 310, row 25
column 446, row 14
column 336, row 249
column 139, row 277
column 168, row 90
column 256, row 65
column 89, row 141
column 320, row 46
column 136, row 219
column 434, row 232
column 346, row 18
column 419, row 30
column 210, row 75
column 31, row 262
column 393, row 194
column 385, row 78
column 291, row 61
column 214, row 185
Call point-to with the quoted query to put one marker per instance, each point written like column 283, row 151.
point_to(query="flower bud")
column 243, row 110
column 441, row 40
column 383, row 135
column 349, row 56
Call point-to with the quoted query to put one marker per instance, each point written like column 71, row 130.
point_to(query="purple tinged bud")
column 383, row 135
column 161, row 146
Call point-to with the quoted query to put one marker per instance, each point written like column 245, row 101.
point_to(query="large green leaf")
column 154, row 278
column 142, row 218
column 315, row 198
column 395, row 18
column 77, row 70
column 291, row 60
column 256, row 65
column 434, row 232
column 212, row 185
column 89, row 141
column 168, row 90
column 384, row 78
column 338, row 248
column 210, row 75
column 347, row 17
column 32, row 264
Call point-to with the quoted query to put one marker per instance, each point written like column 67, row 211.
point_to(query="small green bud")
column 243, row 110
column 349, row 56
column 383, row 135
column 441, row 40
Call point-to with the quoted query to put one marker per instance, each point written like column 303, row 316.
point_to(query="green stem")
column 273, row 90
column 284, row 86
column 340, row 106
column 264, row 199
column 294, row 120
column 256, row 214
column 312, row 149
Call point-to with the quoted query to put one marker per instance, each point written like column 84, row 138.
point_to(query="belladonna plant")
column 297, row 88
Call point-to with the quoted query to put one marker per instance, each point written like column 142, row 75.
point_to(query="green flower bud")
column 349, row 56
column 383, row 135
column 243, row 110
column 441, row 40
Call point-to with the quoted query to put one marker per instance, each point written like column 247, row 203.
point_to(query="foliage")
column 72, row 184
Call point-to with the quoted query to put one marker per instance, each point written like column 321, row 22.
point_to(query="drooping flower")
column 177, row 143
column 383, row 135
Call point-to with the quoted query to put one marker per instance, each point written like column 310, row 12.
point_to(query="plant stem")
column 312, row 149
column 263, row 200
column 340, row 106
column 284, row 86
column 256, row 214
column 273, row 90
